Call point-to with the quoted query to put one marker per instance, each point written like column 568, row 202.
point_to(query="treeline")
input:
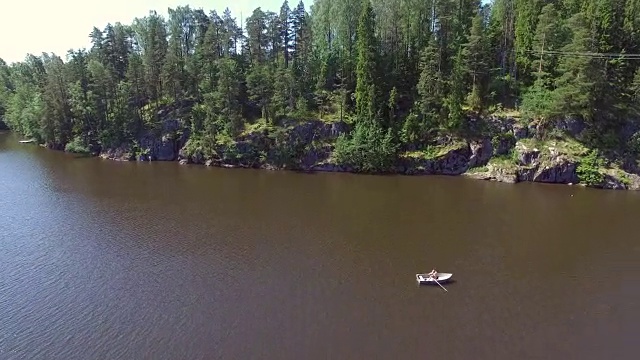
column 399, row 69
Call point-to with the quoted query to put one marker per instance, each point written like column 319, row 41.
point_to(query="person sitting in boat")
column 433, row 274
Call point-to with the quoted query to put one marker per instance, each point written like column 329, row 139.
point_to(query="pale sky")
column 37, row 26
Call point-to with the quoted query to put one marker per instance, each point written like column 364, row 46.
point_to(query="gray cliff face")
column 560, row 171
column 571, row 126
column 454, row 161
column 552, row 168
column 481, row 152
column 634, row 180
column 495, row 174
column 164, row 149
column 612, row 183
column 165, row 145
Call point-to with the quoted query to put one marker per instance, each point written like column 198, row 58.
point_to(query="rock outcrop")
column 121, row 153
column 481, row 152
column 552, row 167
column 165, row 144
column 299, row 146
column 495, row 173
column 500, row 152
column 634, row 182
column 454, row 160
column 613, row 183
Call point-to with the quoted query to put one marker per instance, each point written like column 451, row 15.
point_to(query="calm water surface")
column 109, row 260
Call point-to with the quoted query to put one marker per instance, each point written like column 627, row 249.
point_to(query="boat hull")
column 424, row 278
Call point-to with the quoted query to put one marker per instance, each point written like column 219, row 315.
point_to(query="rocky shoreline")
column 506, row 152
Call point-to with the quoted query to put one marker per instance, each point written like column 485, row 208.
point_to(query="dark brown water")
column 108, row 260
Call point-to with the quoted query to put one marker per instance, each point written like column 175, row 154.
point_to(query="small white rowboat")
column 425, row 279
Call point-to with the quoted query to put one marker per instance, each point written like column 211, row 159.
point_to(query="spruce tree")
column 431, row 84
column 366, row 71
column 574, row 89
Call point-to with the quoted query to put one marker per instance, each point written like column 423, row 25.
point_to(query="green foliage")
column 229, row 146
column 260, row 88
column 286, row 150
column 368, row 149
column 392, row 105
column 413, row 129
column 537, row 101
column 200, row 145
column 366, row 78
column 225, row 104
column 588, row 169
column 456, row 97
column 302, row 108
column 431, row 83
column 633, row 144
column 475, row 53
column 624, row 178
column 77, row 146
column 574, row 89
column 550, row 36
column 25, row 112
column 502, row 138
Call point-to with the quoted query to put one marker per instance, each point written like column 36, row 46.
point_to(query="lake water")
column 115, row 260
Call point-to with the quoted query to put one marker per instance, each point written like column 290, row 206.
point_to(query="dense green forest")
column 401, row 72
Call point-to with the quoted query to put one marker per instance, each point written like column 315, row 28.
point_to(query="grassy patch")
column 434, row 152
column 500, row 138
column 499, row 111
column 624, row 178
column 334, row 118
column 619, row 174
column 478, row 170
column 505, row 162
column 259, row 125
column 573, row 149
column 414, row 154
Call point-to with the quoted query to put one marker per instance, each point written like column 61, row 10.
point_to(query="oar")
column 436, row 280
